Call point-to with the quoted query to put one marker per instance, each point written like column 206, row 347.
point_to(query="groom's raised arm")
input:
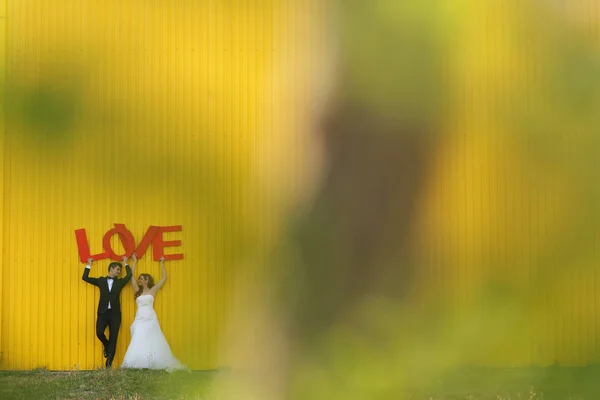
column 127, row 277
column 86, row 272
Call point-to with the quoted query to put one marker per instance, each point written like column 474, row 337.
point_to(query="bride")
column 148, row 348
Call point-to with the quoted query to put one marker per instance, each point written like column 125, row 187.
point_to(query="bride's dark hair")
column 150, row 284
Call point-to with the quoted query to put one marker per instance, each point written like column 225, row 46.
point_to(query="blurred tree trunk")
column 355, row 240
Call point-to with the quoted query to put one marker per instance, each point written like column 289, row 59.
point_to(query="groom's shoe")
column 109, row 362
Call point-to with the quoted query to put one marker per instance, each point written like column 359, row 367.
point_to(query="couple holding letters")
column 148, row 348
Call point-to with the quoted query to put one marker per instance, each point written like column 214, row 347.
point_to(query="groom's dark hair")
column 114, row 265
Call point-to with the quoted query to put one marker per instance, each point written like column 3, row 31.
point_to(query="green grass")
column 465, row 384
column 103, row 384
column 553, row 383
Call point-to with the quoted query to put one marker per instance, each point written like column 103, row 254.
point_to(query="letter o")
column 127, row 241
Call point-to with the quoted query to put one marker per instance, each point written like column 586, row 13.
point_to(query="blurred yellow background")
column 206, row 115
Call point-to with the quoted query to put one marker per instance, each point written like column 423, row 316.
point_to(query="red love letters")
column 154, row 236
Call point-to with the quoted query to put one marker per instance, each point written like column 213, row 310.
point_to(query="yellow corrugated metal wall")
column 141, row 113
column 2, row 134
column 177, row 113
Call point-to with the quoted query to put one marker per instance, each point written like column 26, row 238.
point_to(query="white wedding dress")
column 148, row 348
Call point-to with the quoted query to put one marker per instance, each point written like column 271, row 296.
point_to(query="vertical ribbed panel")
column 3, row 154
column 196, row 114
column 142, row 113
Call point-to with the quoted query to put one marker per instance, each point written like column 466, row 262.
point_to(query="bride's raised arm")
column 134, row 284
column 163, row 277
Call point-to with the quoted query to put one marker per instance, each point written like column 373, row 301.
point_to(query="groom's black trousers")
column 112, row 319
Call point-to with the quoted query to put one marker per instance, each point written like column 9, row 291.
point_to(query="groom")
column 109, row 306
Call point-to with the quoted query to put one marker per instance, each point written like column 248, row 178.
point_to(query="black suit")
column 108, row 317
